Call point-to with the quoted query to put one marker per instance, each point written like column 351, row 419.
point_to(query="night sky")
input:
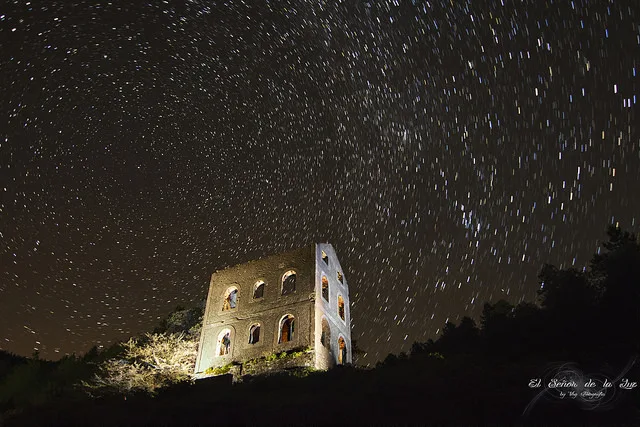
column 447, row 149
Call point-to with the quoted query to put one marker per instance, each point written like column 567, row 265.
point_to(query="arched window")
column 342, row 351
column 224, row 343
column 286, row 329
column 341, row 307
column 325, row 258
column 340, row 279
column 258, row 290
column 288, row 282
column 254, row 334
column 230, row 299
column 325, row 288
column 325, row 337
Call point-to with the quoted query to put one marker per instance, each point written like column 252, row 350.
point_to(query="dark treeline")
column 585, row 326
column 31, row 382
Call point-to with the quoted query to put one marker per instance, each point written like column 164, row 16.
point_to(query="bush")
column 148, row 364
column 221, row 370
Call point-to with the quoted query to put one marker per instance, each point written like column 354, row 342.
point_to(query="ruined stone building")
column 294, row 300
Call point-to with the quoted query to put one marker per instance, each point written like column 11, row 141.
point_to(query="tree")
column 24, row 385
column 186, row 320
column 498, row 328
column 422, row 347
column 147, row 365
column 459, row 339
column 356, row 352
column 616, row 274
column 566, row 290
column 494, row 316
column 525, row 310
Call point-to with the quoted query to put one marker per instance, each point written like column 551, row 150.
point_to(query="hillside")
column 572, row 360
column 422, row 389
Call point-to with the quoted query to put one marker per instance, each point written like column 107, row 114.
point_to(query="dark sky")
column 446, row 149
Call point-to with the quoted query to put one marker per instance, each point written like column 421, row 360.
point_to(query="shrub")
column 147, row 364
column 220, row 370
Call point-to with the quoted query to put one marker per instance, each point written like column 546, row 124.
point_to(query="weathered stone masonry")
column 303, row 316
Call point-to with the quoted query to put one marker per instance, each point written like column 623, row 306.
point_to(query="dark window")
column 341, row 307
column 254, row 334
column 325, row 288
column 340, row 277
column 289, row 282
column 325, row 258
column 258, row 290
column 325, row 337
column 286, row 329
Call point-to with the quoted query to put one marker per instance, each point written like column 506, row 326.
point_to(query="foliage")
column 221, row 370
column 290, row 354
column 139, row 364
column 303, row 372
column 271, row 357
column 251, row 362
column 24, row 385
column 183, row 320
column 565, row 289
column 462, row 338
column 605, row 296
column 37, row 381
column 147, row 365
column 8, row 361
column 153, row 361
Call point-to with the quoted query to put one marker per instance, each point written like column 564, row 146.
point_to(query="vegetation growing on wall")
column 221, row 370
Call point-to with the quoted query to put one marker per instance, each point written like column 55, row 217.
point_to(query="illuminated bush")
column 148, row 364
column 221, row 370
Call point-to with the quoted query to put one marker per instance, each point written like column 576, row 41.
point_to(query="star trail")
column 446, row 149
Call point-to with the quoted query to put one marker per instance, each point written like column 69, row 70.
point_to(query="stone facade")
column 291, row 310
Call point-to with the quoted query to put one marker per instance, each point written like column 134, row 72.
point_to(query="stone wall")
column 327, row 309
column 306, row 304
column 266, row 311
